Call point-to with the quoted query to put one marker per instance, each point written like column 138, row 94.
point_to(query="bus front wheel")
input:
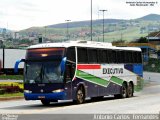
column 123, row 93
column 45, row 102
column 124, row 90
column 80, row 95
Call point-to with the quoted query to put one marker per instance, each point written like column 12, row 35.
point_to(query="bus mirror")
column 63, row 62
column 22, row 60
column 17, row 64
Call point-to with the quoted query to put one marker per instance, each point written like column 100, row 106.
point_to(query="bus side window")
column 70, row 69
column 82, row 55
column 114, row 56
column 118, row 56
column 126, row 57
column 109, row 56
column 122, row 53
column 139, row 56
column 100, row 56
column 68, row 73
column 92, row 55
column 71, row 54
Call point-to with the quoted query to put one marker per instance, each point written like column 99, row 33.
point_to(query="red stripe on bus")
column 88, row 67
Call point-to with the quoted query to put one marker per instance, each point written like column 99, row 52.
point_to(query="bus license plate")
column 41, row 97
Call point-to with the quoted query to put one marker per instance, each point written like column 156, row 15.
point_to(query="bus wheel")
column 130, row 90
column 124, row 90
column 45, row 102
column 80, row 95
column 123, row 93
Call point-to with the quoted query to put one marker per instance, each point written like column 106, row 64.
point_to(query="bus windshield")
column 44, row 65
column 43, row 72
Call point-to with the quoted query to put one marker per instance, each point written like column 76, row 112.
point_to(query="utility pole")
column 67, row 28
column 45, row 32
column 91, row 20
column 103, row 22
column 3, row 57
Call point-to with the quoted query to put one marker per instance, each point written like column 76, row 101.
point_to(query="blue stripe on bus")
column 138, row 69
column 135, row 68
column 46, row 96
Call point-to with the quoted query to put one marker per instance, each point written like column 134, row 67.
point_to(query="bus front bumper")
column 46, row 96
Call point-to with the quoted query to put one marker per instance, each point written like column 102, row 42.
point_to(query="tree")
column 142, row 40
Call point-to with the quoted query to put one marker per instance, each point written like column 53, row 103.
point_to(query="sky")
column 22, row 14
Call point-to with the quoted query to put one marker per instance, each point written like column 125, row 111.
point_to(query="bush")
column 21, row 90
column 11, row 89
column 2, row 91
column 156, row 68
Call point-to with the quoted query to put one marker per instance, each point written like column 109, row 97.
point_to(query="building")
column 154, row 38
column 15, row 35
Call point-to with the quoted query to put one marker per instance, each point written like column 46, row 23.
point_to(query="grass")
column 8, row 95
column 131, row 32
column 11, row 77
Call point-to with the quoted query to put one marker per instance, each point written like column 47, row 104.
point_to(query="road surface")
column 146, row 101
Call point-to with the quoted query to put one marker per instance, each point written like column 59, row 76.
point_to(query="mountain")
column 151, row 17
column 114, row 29
column 85, row 23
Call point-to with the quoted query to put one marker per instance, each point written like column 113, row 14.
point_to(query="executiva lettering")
column 112, row 70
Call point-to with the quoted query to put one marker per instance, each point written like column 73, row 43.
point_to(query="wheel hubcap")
column 124, row 92
column 80, row 96
column 130, row 91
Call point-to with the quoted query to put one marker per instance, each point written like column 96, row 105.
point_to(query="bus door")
column 69, row 74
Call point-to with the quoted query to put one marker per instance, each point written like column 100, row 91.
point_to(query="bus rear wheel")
column 45, row 102
column 80, row 95
column 130, row 90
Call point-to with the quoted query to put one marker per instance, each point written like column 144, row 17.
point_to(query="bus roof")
column 83, row 43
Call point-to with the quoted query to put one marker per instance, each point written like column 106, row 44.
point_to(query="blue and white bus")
column 76, row 70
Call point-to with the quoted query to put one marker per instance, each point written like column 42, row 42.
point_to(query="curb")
column 11, row 98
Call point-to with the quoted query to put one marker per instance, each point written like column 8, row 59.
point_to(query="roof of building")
column 154, row 34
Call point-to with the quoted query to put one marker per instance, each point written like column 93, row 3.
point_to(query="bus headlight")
column 27, row 91
column 58, row 90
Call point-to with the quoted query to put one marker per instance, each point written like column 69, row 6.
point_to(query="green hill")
column 151, row 17
column 115, row 29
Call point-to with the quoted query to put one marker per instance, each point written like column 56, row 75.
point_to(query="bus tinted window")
column 114, row 59
column 109, row 56
column 92, row 55
column 71, row 54
column 45, row 54
column 134, row 57
column 122, row 54
column 130, row 57
column 126, row 57
column 119, row 57
column 103, row 56
column 139, row 57
column 82, row 55
column 100, row 56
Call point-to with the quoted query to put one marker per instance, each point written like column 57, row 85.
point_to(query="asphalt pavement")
column 147, row 101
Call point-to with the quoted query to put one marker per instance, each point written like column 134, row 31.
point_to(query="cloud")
column 20, row 14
